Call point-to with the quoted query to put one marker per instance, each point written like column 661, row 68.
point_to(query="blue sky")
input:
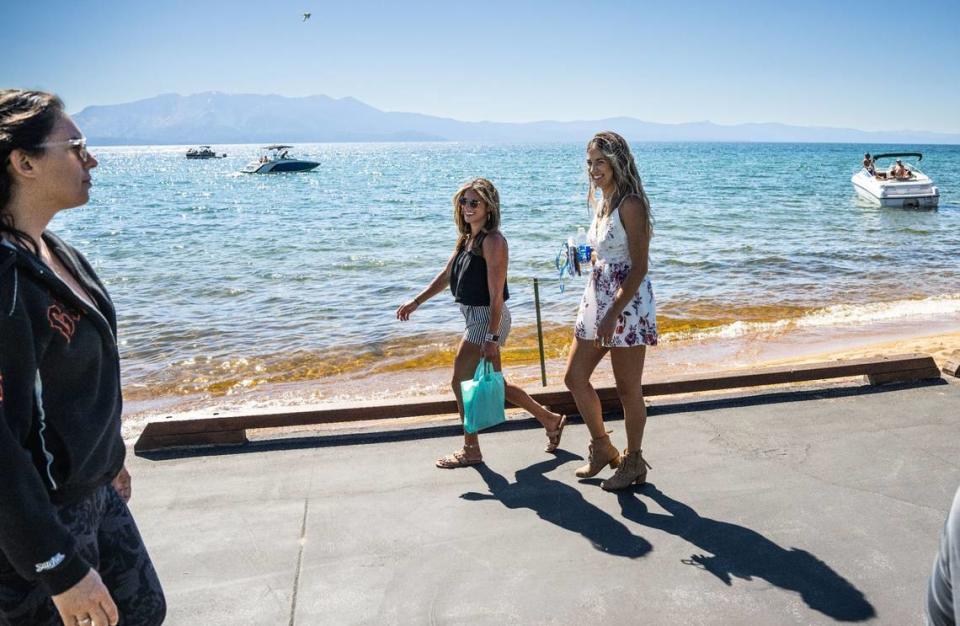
column 873, row 66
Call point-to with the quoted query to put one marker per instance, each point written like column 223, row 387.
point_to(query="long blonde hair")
column 626, row 177
column 488, row 193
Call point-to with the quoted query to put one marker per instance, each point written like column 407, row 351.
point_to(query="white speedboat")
column 275, row 159
column 911, row 190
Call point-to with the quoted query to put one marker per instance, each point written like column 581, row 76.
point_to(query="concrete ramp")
column 809, row 507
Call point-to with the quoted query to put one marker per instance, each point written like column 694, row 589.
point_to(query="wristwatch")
column 490, row 337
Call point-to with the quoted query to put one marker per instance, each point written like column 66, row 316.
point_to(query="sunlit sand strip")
column 701, row 325
column 663, row 361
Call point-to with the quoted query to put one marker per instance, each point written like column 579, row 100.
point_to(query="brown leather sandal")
column 461, row 458
column 553, row 436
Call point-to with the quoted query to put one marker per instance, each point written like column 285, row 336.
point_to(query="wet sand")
column 669, row 359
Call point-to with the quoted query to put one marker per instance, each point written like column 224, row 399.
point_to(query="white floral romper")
column 637, row 324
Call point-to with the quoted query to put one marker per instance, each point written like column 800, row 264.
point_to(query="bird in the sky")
column 306, row 16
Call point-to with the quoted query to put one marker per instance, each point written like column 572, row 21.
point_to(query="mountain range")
column 220, row 118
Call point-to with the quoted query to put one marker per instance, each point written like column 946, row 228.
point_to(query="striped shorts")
column 478, row 323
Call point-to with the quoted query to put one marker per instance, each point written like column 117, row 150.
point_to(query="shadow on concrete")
column 562, row 505
column 744, row 553
column 361, row 437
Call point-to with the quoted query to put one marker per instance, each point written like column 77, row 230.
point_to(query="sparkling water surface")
column 216, row 271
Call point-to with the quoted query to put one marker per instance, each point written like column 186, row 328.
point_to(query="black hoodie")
column 59, row 409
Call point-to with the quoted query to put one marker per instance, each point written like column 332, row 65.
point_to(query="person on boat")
column 869, row 165
column 284, row 155
column 476, row 273
column 617, row 313
column 900, row 171
column 70, row 551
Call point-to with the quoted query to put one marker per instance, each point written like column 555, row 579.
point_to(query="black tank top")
column 468, row 280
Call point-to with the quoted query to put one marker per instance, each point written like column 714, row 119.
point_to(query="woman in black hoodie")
column 69, row 548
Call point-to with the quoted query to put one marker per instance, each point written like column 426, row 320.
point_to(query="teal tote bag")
column 483, row 398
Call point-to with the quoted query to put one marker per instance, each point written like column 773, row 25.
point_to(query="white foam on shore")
column 831, row 329
column 841, row 316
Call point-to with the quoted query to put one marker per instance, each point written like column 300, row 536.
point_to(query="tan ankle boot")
column 602, row 453
column 632, row 470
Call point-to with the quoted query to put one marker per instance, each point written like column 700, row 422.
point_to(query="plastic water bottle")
column 573, row 267
column 583, row 248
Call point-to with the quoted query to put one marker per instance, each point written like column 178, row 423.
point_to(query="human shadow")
column 744, row 553
column 560, row 504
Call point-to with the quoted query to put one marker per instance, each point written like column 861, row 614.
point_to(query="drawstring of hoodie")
column 16, row 286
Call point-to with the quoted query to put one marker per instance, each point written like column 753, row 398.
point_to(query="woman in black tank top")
column 468, row 276
column 477, row 276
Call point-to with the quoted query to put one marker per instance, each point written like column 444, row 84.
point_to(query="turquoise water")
column 223, row 280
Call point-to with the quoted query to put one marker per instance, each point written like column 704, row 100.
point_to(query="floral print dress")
column 637, row 324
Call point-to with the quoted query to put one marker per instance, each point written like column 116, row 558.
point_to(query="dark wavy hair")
column 26, row 119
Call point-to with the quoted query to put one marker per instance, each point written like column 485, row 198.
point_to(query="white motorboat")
column 275, row 159
column 912, row 189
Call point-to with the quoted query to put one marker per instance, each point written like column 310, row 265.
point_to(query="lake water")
column 225, row 282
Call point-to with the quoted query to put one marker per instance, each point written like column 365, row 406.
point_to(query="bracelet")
column 491, row 337
column 416, row 299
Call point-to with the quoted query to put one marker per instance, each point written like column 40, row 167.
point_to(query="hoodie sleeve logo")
column 62, row 320
column 50, row 563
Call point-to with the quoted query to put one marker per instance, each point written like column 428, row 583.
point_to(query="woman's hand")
column 490, row 350
column 607, row 327
column 88, row 603
column 404, row 311
column 122, row 484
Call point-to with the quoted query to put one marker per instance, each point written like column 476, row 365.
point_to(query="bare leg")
column 518, row 397
column 628, row 372
column 468, row 357
column 584, row 357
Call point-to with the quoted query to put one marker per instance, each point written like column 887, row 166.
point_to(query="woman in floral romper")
column 617, row 313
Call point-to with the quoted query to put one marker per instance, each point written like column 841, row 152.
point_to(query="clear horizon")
column 819, row 64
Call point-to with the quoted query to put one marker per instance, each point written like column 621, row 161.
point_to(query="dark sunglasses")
column 77, row 145
column 472, row 203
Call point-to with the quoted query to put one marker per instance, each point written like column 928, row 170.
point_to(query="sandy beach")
column 939, row 339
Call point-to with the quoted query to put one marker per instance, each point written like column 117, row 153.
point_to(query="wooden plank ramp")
column 231, row 430
column 952, row 366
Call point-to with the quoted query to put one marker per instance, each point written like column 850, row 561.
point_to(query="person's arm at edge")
column 942, row 595
column 632, row 215
column 497, row 255
column 638, row 242
column 32, row 537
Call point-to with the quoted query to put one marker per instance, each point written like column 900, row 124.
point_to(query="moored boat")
column 276, row 159
column 902, row 186
column 203, row 152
